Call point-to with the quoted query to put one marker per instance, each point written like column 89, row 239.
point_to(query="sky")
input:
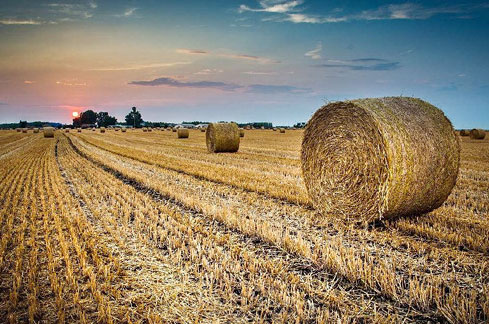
column 243, row 60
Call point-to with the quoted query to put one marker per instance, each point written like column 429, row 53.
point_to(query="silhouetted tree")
column 23, row 124
column 104, row 119
column 134, row 118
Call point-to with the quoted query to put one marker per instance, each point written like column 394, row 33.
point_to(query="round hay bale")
column 123, row 130
column 36, row 130
column 79, row 130
column 222, row 137
column 477, row 134
column 48, row 132
column 182, row 133
column 274, row 129
column 24, row 130
column 248, row 127
column 18, row 130
column 263, row 127
column 202, row 130
column 464, row 132
column 369, row 159
column 282, row 130
column 117, row 129
column 241, row 132
column 67, row 130
column 150, row 129
column 102, row 129
column 174, row 130
column 144, row 129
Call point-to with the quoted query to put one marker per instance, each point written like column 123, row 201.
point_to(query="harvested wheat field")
column 143, row 227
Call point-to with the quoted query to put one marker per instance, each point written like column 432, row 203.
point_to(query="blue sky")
column 266, row 60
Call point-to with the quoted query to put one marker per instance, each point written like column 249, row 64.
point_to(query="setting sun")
column 75, row 114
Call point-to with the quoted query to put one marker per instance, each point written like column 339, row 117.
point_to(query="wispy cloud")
column 273, row 89
column 71, row 83
column 127, row 13
column 225, row 86
column 20, row 22
column 315, row 54
column 191, row 51
column 259, row 59
column 209, row 71
column 29, row 82
column 362, row 64
column 73, row 10
column 259, row 73
column 139, row 66
column 289, row 11
column 170, row 82
column 272, row 6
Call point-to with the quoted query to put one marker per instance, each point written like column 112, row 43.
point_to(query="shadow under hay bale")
column 369, row 159
column 222, row 137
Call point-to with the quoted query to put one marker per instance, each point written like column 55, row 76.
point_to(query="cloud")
column 254, row 88
column 139, row 66
column 247, row 57
column 259, row 73
column 315, row 54
column 20, row 22
column 78, row 10
column 272, row 6
column 29, row 82
column 290, row 12
column 388, row 66
column 209, row 71
column 127, row 13
column 170, row 82
column 273, row 89
column 191, row 51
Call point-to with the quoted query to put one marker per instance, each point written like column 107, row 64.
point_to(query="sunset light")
column 75, row 114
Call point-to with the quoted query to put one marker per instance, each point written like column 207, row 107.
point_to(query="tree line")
column 103, row 119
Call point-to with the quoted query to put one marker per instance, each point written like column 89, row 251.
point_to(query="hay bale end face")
column 369, row 159
column 222, row 137
column 182, row 133
column 477, row 134
column 48, row 132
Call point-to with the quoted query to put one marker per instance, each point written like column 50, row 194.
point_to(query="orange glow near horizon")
column 75, row 114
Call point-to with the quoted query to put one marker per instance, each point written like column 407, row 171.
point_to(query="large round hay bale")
column 282, row 130
column 369, row 159
column 102, row 129
column 36, row 130
column 123, row 130
column 48, row 131
column 477, row 134
column 182, row 133
column 464, row 132
column 222, row 137
column 241, row 132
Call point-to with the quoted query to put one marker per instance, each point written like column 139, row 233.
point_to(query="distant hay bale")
column 123, row 130
column 117, row 129
column 36, row 130
column 263, row 127
column 174, row 130
column 222, row 137
column 282, row 130
column 93, row 129
column 464, row 132
column 150, row 129
column 144, row 129
column 248, row 127
column 182, row 133
column 202, row 130
column 102, row 129
column 18, row 130
column 369, row 159
column 67, row 130
column 79, row 130
column 477, row 134
column 274, row 129
column 241, row 132
column 168, row 128
column 48, row 131
column 24, row 130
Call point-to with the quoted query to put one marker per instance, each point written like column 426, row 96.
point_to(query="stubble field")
column 144, row 227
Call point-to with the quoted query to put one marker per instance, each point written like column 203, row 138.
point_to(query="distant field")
column 127, row 227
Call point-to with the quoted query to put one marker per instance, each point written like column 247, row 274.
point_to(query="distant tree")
column 104, row 119
column 22, row 124
column 300, row 125
column 134, row 118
